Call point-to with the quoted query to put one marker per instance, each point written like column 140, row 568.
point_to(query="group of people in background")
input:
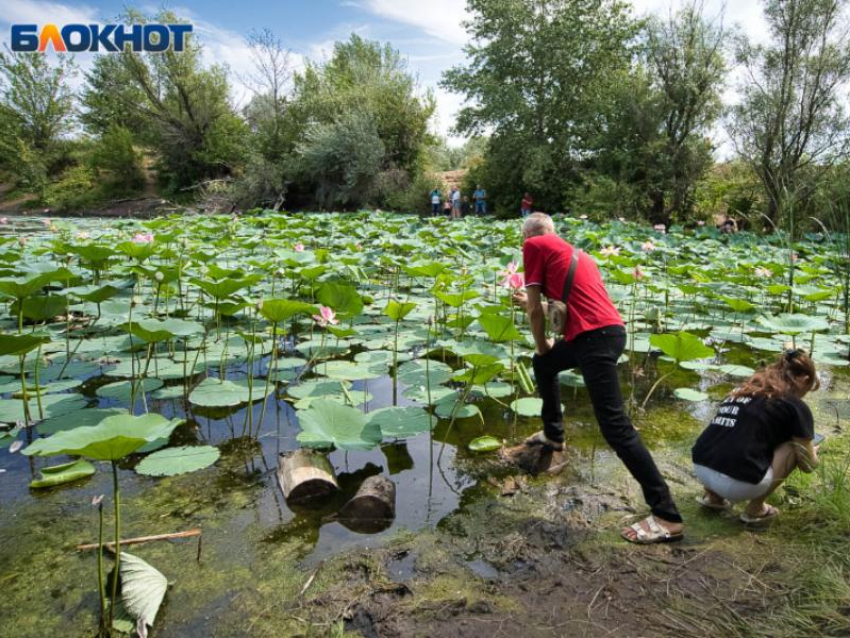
column 455, row 205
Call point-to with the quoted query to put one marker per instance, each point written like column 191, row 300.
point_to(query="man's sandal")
column 540, row 438
column 767, row 514
column 656, row 534
column 706, row 502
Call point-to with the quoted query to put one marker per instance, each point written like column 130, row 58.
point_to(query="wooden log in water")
column 372, row 508
column 305, row 475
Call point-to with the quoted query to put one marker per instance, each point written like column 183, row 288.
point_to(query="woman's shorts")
column 732, row 489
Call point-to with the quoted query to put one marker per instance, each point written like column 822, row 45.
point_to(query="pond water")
column 255, row 547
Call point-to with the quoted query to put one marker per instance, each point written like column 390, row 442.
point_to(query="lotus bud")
column 159, row 276
column 22, row 241
column 97, row 500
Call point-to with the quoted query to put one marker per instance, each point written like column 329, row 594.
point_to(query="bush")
column 78, row 188
column 396, row 191
column 117, row 164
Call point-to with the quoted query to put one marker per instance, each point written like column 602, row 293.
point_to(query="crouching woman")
column 761, row 433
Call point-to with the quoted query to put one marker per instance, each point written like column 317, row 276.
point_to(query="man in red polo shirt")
column 594, row 338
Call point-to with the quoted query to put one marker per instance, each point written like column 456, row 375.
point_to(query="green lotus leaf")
column 527, row 406
column 156, row 330
column 142, row 590
column 215, row 393
column 280, row 310
column 485, row 444
column 686, row 394
column 178, row 460
column 64, row 473
column 794, row 324
column 400, row 423
column 327, row 423
column 499, row 327
column 112, row 439
column 11, row 344
column 397, row 311
column 682, row 346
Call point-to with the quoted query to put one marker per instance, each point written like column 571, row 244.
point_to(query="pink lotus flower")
column 762, row 272
column 700, row 223
column 299, row 247
column 142, row 238
column 83, row 235
column 359, row 247
column 661, row 228
column 515, row 281
column 510, row 269
column 46, row 222
column 610, row 251
column 647, row 246
column 4, row 221
column 326, row 316
column 637, row 273
column 22, row 241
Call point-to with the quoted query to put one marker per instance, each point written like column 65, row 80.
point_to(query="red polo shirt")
column 546, row 261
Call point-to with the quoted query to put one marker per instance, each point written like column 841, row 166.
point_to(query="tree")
column 183, row 109
column 360, row 113
column 265, row 177
column 534, row 72
column 790, row 124
column 35, row 93
column 685, row 56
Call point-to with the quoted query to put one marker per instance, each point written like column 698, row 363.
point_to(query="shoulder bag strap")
column 571, row 274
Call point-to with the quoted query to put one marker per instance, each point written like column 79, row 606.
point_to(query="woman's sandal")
column 768, row 513
column 725, row 506
column 656, row 534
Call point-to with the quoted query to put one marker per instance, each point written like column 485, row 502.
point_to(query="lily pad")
column 142, row 590
column 327, row 423
column 64, row 473
column 121, row 390
column 687, row 394
column 178, row 460
column 400, row 423
column 54, row 405
column 86, row 417
column 215, row 393
column 527, row 406
column 485, row 444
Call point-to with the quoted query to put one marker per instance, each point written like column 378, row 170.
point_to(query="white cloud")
column 441, row 19
column 36, row 11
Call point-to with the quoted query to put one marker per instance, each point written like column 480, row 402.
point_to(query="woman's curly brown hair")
column 793, row 374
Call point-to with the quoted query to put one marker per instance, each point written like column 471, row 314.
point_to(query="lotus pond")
column 168, row 364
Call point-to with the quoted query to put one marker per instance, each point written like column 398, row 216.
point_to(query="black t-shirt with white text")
column 745, row 432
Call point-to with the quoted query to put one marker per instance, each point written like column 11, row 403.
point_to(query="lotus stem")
column 117, row 543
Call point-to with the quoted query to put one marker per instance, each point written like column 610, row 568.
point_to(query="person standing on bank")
column 480, row 197
column 456, row 203
column 436, row 197
column 761, row 433
column 593, row 340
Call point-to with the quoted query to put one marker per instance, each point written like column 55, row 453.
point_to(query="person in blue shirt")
column 480, row 197
column 436, row 197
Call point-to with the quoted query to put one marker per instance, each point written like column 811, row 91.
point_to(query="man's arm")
column 537, row 319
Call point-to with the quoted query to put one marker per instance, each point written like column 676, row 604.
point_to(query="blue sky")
column 428, row 32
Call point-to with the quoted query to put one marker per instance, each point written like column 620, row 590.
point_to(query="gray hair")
column 538, row 224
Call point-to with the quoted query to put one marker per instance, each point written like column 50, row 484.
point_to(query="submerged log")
column 373, row 507
column 305, row 475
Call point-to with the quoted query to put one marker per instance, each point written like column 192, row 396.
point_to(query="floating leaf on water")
column 495, row 390
column 348, row 371
column 178, row 460
column 413, row 373
column 527, row 406
column 571, row 379
column 736, row 371
column 794, row 324
column 687, row 394
column 328, row 423
column 401, row 422
column 53, row 405
column 142, row 590
column 485, row 444
column 121, row 390
column 682, row 346
column 215, row 393
column 65, row 473
column 451, row 407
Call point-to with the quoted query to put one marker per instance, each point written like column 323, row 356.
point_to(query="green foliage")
column 117, row 163
column 76, row 189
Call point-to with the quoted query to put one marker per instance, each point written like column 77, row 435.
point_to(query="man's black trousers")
column 596, row 353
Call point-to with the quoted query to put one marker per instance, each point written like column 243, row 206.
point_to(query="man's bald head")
column 537, row 224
